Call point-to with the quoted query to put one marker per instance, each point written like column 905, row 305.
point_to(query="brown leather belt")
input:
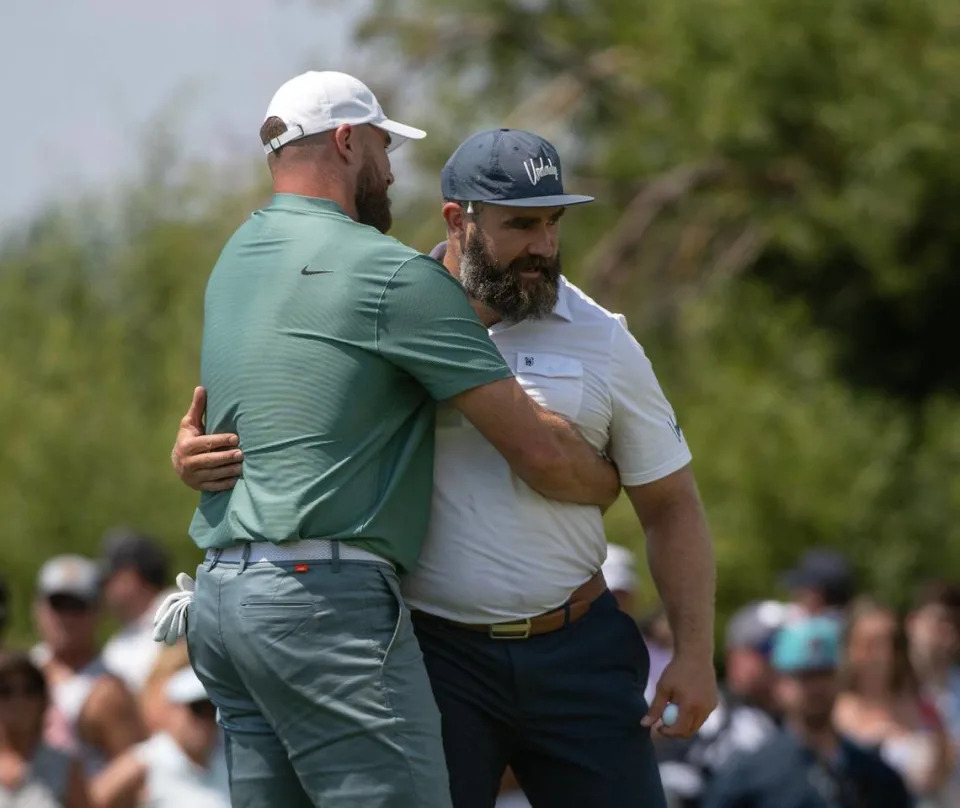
column 576, row 607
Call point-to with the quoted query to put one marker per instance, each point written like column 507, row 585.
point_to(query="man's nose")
column 544, row 245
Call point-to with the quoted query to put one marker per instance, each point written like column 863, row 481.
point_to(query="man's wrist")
column 694, row 648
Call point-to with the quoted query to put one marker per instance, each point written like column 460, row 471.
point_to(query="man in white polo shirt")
column 531, row 662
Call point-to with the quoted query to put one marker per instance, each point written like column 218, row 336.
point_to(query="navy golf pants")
column 562, row 709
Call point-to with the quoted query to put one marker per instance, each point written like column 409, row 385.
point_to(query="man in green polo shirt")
column 326, row 345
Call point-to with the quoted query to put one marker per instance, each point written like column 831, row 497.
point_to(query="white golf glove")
column 170, row 621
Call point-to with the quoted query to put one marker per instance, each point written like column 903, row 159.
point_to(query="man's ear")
column 456, row 219
column 346, row 140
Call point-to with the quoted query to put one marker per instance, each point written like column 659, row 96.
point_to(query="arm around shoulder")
column 426, row 326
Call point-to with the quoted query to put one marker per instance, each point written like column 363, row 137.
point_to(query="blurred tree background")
column 778, row 216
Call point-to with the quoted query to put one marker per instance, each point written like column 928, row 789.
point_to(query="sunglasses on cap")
column 68, row 604
column 203, row 709
column 23, row 690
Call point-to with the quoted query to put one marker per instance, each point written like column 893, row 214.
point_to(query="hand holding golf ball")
column 686, row 694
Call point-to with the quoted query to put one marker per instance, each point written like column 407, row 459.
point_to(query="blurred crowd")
column 112, row 725
column 127, row 723
column 828, row 697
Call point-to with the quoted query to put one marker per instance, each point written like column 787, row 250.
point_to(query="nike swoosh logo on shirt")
column 306, row 271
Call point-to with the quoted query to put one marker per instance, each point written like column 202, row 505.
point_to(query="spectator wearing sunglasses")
column 93, row 714
column 182, row 765
column 32, row 774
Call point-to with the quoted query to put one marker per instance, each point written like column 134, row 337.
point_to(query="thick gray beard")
column 501, row 290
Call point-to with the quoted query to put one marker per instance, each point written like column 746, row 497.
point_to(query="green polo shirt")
column 325, row 347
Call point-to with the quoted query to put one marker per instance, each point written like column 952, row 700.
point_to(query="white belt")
column 305, row 550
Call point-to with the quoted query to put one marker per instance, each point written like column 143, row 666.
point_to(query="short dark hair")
column 129, row 549
column 938, row 593
column 18, row 663
column 272, row 127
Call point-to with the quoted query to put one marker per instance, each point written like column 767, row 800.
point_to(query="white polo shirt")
column 496, row 549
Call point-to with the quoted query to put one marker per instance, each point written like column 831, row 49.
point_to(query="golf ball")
column 670, row 714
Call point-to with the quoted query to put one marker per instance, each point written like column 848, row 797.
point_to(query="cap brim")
column 85, row 595
column 556, row 201
column 401, row 132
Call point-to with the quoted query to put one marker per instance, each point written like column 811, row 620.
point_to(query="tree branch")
column 607, row 264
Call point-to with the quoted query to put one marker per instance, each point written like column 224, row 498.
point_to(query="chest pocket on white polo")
column 552, row 380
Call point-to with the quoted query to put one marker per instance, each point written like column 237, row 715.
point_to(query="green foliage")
column 831, row 130
column 777, row 215
column 100, row 318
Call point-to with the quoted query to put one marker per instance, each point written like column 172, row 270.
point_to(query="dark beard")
column 501, row 290
column 372, row 200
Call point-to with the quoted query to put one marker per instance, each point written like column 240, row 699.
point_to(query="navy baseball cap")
column 825, row 570
column 507, row 167
column 128, row 549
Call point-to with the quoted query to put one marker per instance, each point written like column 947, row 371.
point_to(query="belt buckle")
column 515, row 630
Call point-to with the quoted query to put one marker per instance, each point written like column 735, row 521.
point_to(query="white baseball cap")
column 319, row 101
column 185, row 688
column 70, row 575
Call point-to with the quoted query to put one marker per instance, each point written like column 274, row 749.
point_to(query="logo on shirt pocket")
column 552, row 380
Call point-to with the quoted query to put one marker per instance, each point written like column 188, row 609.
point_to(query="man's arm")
column 110, row 720
column 119, row 785
column 76, row 794
column 545, row 450
column 680, row 555
column 426, row 327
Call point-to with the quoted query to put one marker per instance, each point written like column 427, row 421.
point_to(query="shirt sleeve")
column 426, row 326
column 646, row 441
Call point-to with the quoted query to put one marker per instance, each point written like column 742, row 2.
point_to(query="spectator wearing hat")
column 808, row 764
column 93, row 714
column 822, row 583
column 181, row 766
column 135, row 570
column 32, row 774
column 745, row 717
